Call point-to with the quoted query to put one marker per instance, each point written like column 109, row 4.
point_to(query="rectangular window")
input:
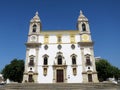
column 45, row 60
column 74, row 60
column 72, row 39
column 74, row 71
column 31, row 63
column 46, row 39
column 88, row 62
column 59, row 40
column 59, row 60
column 45, row 71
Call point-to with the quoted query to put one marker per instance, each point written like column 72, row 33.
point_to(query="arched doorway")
column 60, row 75
column 59, row 69
column 89, row 77
column 30, row 78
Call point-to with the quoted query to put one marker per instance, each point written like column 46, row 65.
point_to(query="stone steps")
column 60, row 86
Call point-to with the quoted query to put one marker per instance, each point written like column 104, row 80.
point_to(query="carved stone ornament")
column 59, row 47
column 46, row 47
column 73, row 46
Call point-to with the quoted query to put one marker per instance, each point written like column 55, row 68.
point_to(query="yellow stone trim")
column 74, row 71
column 44, row 71
column 72, row 38
column 59, row 39
column 46, row 39
column 60, row 43
column 62, row 32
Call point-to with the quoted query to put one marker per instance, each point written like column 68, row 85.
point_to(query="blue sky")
column 103, row 15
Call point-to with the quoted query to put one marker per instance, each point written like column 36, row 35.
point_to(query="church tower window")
column 59, row 60
column 31, row 63
column 34, row 28
column 83, row 27
column 88, row 62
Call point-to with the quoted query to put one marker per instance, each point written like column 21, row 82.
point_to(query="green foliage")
column 14, row 70
column 106, row 70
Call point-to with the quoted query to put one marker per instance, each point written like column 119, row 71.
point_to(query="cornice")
column 33, row 44
column 89, row 72
column 59, row 65
column 60, row 32
column 86, row 43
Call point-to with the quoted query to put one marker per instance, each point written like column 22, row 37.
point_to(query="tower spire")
column 82, row 23
column 81, row 12
column 36, row 17
column 82, row 17
column 35, row 25
column 37, row 13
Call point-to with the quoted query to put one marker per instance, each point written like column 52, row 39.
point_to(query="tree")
column 106, row 70
column 14, row 70
column 115, row 72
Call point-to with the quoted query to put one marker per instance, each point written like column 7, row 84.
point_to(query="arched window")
column 88, row 62
column 73, row 60
column 83, row 27
column 59, row 60
column 34, row 28
column 45, row 60
column 31, row 63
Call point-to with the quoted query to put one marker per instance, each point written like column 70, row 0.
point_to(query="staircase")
column 61, row 86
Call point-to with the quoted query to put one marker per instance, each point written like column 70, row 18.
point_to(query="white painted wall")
column 52, row 53
column 74, row 79
column 32, row 52
column 87, row 51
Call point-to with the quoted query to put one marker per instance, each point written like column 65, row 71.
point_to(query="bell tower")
column 34, row 28
column 32, row 45
column 82, row 24
column 35, row 25
column 83, row 27
column 87, row 53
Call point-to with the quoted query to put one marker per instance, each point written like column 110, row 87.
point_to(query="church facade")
column 60, row 56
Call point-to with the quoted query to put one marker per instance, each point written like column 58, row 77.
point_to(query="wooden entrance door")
column 30, row 79
column 60, row 76
column 89, row 77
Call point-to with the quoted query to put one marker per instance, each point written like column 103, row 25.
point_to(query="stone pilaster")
column 83, row 61
column 27, row 60
column 54, row 78
column 36, row 66
column 93, row 59
column 94, row 74
column 25, row 76
column 95, row 78
column 83, row 66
